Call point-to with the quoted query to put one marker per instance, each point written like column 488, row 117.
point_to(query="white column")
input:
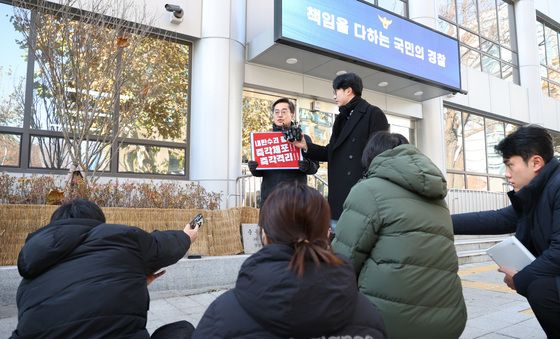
column 525, row 20
column 217, row 85
column 430, row 130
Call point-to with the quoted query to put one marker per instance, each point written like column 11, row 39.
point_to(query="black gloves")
column 304, row 165
column 292, row 133
column 252, row 165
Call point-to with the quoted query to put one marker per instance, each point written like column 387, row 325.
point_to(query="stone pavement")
column 494, row 311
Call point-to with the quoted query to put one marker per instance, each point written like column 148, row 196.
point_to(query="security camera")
column 175, row 9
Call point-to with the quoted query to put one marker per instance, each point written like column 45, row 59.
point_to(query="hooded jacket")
column 270, row 301
column 397, row 231
column 86, row 279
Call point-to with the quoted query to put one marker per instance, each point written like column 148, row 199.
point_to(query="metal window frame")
column 26, row 132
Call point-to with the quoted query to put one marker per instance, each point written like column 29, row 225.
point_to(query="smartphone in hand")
column 198, row 220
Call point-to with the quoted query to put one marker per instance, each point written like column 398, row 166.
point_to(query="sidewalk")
column 494, row 311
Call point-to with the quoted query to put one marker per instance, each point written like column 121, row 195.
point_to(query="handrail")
column 248, row 189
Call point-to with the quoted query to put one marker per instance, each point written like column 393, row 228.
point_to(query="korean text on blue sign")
column 359, row 31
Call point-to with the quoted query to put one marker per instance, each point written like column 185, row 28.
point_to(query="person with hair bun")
column 295, row 286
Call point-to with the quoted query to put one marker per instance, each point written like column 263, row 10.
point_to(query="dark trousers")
column 542, row 295
column 177, row 330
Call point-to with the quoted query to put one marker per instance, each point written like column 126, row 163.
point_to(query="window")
column 127, row 86
column 549, row 52
column 13, row 70
column 472, row 161
column 399, row 7
column 484, row 29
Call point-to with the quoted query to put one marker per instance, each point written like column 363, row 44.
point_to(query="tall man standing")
column 357, row 121
column 534, row 216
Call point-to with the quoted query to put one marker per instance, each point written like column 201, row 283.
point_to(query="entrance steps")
column 472, row 248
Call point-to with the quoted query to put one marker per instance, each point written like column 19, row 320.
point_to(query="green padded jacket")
column 397, row 231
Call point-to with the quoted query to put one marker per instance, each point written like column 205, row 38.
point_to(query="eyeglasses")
column 281, row 112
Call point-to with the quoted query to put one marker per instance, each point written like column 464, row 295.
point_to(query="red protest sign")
column 272, row 151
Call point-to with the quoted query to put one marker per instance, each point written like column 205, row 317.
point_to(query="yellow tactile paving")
column 465, row 272
column 487, row 286
column 474, row 270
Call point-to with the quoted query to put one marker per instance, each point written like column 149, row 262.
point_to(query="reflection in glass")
column 505, row 22
column 554, row 75
column 445, row 27
column 510, row 128
column 151, row 159
column 9, row 149
column 541, row 42
column 494, row 134
column 13, row 69
column 49, row 152
column 490, row 66
column 488, row 19
column 468, row 38
column 551, row 44
column 455, row 181
column 454, row 139
column 466, row 14
column 544, row 86
column 477, row 182
column 490, row 48
column 165, row 79
column 554, row 90
column 507, row 72
column 475, row 155
column 507, row 55
column 470, row 58
column 446, row 9
column 395, row 6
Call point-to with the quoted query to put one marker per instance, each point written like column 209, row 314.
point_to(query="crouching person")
column 295, row 286
column 397, row 231
column 84, row 278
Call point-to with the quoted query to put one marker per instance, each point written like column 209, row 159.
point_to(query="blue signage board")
column 360, row 32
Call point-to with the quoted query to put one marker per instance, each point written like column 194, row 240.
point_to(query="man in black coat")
column 83, row 278
column 283, row 111
column 352, row 128
column 534, row 216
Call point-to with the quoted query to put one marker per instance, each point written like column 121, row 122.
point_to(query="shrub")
column 182, row 195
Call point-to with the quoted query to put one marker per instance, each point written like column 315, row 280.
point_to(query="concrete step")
column 473, row 256
column 472, row 249
column 477, row 243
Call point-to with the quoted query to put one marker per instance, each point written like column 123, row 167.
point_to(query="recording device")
column 198, row 220
column 175, row 9
column 293, row 132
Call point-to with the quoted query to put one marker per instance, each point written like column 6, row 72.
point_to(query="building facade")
column 226, row 68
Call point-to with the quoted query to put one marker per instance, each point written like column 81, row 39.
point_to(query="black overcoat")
column 344, row 151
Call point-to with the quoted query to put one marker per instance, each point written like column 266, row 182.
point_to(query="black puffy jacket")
column 271, row 301
column 534, row 216
column 83, row 279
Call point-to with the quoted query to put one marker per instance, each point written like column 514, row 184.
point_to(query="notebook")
column 511, row 254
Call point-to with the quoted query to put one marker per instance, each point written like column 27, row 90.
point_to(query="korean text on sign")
column 271, row 151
